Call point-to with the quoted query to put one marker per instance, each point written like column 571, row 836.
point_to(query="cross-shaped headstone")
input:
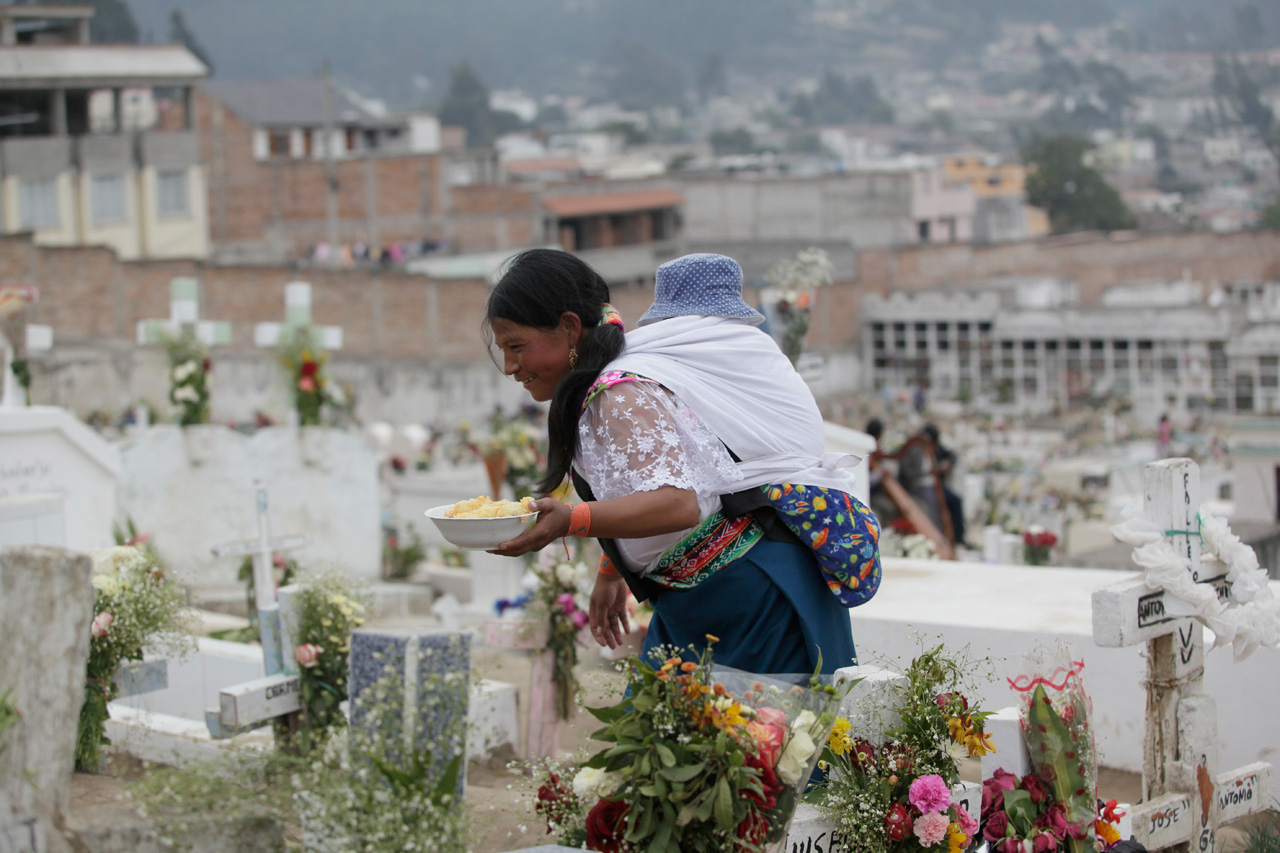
column 278, row 694
column 529, row 635
column 184, row 317
column 297, row 314
column 1185, row 798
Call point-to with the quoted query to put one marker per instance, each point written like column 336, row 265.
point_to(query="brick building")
column 266, row 146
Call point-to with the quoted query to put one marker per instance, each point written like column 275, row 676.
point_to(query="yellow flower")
column 840, row 742
column 955, row 839
column 979, row 744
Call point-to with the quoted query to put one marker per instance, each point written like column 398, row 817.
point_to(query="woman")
column 669, row 432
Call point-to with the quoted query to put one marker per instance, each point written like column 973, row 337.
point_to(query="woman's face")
column 536, row 358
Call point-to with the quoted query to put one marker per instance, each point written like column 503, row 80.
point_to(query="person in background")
column 878, row 499
column 945, row 459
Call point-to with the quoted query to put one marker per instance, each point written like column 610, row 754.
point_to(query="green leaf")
column 724, row 805
column 660, row 787
column 1021, row 810
column 682, row 774
column 664, row 753
column 608, row 714
column 661, row 838
column 722, row 743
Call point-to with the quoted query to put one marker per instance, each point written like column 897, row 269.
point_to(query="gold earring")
column 573, row 357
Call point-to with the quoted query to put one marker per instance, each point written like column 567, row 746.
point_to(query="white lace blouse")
column 638, row 436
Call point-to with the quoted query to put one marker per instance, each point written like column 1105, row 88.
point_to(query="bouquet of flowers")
column 332, row 606
column 896, row 796
column 1055, row 806
column 796, row 279
column 189, row 380
column 301, row 355
column 703, row 759
column 1039, row 542
column 136, row 606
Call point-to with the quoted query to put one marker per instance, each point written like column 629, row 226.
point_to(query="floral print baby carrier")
column 843, row 533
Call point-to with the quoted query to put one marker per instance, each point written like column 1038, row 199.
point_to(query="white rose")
column 796, row 755
column 803, row 721
column 591, row 783
column 185, row 393
column 121, row 558
column 106, row 584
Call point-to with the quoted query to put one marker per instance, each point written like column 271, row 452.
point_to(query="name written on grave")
column 27, row 476
column 275, row 691
column 815, row 843
column 1151, row 610
column 1239, row 792
column 1168, row 818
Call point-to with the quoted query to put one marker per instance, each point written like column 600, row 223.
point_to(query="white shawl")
column 741, row 385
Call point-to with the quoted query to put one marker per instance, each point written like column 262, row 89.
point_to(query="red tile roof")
column 566, row 206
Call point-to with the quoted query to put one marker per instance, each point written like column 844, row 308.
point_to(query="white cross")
column 184, row 315
column 1185, row 798
column 297, row 314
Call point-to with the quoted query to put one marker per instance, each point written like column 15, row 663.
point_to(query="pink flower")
column 566, row 602
column 768, row 737
column 101, row 624
column 1046, row 843
column 580, row 618
column 775, row 716
column 931, row 828
column 1032, row 785
column 968, row 825
column 993, row 791
column 306, row 384
column 996, row 825
column 930, row 794
column 307, row 655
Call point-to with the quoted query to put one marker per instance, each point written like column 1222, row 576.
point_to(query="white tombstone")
column 46, row 451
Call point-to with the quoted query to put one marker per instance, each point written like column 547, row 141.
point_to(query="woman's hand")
column 552, row 524
column 609, row 610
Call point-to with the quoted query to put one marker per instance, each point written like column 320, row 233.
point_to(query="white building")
column 1030, row 345
column 81, row 165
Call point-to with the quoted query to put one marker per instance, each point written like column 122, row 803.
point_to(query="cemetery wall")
column 409, row 338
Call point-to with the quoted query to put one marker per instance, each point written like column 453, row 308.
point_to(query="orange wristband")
column 607, row 567
column 580, row 520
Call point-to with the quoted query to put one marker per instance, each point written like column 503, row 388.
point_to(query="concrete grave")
column 409, row 693
column 47, row 452
column 46, row 605
column 193, row 495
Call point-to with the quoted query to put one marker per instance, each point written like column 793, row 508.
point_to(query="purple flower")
column 930, row 794
column 565, row 600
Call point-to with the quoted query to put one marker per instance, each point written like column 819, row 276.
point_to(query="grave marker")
column 1185, row 797
column 184, row 316
column 297, row 314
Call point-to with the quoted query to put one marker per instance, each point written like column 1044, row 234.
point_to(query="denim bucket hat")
column 702, row 284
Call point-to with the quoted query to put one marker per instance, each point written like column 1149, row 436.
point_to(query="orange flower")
column 662, row 676
column 688, row 666
column 719, row 690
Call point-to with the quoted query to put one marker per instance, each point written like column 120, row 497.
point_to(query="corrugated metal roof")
column 287, row 103
column 98, row 66
column 588, row 205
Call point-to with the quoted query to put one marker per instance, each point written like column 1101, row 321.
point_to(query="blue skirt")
column 770, row 608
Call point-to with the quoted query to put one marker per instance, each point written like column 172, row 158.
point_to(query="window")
column 171, row 194
column 106, row 200
column 278, row 143
column 38, row 204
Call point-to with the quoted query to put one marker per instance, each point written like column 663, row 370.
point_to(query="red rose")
column 898, row 822
column 768, row 782
column 994, row 828
column 1046, row 843
column 993, row 791
column 1032, row 785
column 606, row 824
column 309, row 368
column 206, row 364
column 555, row 801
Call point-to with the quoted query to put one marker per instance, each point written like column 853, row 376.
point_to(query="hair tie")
column 609, row 314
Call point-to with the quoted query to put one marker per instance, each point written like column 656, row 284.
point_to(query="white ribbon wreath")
column 1251, row 618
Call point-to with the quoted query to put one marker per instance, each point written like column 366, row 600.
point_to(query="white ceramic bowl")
column 478, row 534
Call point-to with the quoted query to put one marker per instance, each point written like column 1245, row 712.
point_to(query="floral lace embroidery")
column 638, row 436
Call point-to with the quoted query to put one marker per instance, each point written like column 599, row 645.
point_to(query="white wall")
column 193, row 488
column 1003, row 612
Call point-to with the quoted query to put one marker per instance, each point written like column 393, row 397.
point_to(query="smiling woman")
column 658, row 461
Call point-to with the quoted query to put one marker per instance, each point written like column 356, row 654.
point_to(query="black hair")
column 931, row 431
column 537, row 288
column 875, row 428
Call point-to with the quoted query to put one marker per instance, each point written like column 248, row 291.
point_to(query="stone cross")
column 297, row 314
column 279, row 693
column 409, row 693
column 184, row 315
column 869, row 708
column 1185, row 797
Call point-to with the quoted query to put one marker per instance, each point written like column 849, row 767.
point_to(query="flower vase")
column 495, row 465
